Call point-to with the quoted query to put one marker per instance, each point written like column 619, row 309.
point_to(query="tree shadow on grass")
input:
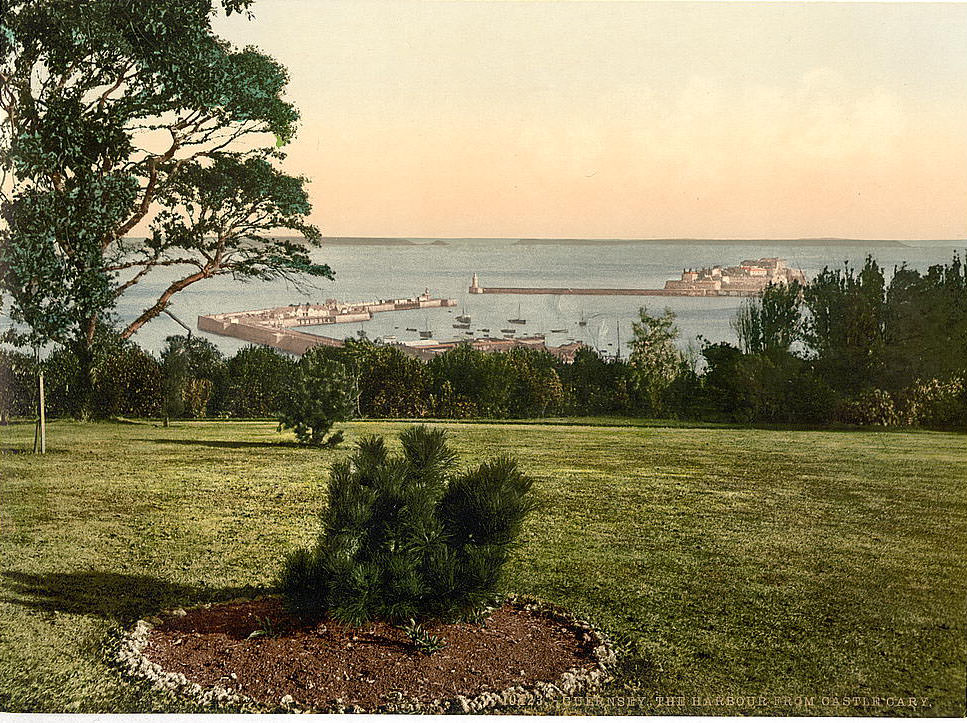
column 226, row 444
column 109, row 595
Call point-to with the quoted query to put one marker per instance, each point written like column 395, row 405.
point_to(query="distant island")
column 365, row 241
column 710, row 242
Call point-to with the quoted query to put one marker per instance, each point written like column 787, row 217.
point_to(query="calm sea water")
column 366, row 273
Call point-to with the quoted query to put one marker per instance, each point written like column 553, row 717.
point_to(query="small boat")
column 389, row 339
column 508, row 331
column 485, row 330
column 411, row 328
column 464, row 318
column 468, row 332
column 559, row 331
column 518, row 320
column 538, row 335
column 426, row 334
column 461, row 326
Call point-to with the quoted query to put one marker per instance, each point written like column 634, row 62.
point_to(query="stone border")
column 129, row 656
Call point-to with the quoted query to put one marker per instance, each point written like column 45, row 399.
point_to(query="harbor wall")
column 287, row 340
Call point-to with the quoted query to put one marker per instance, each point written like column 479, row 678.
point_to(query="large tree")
column 845, row 323
column 132, row 116
column 655, row 360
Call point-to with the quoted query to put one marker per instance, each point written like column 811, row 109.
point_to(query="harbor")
column 290, row 328
column 279, row 327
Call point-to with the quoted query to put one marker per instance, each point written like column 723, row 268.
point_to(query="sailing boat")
column 518, row 320
column 583, row 321
column 425, row 333
column 464, row 318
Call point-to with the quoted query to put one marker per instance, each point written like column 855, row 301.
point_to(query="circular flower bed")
column 252, row 654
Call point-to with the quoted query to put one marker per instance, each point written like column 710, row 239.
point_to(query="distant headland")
column 380, row 241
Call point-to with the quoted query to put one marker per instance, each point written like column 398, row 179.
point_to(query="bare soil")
column 325, row 663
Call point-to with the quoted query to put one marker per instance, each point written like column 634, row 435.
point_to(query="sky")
column 603, row 119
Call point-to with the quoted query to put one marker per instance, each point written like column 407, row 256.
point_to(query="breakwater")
column 575, row 291
column 749, row 278
column 277, row 326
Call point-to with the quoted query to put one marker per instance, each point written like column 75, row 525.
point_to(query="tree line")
column 848, row 347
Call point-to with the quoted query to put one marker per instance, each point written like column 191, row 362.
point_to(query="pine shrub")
column 408, row 536
column 321, row 395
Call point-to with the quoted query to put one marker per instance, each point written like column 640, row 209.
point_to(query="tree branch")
column 162, row 302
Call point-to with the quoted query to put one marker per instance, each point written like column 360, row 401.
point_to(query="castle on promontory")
column 748, row 278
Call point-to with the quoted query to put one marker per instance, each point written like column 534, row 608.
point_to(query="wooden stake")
column 43, row 418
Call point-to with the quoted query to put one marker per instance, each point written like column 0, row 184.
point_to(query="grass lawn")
column 807, row 570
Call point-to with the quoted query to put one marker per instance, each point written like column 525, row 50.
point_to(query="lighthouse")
column 474, row 285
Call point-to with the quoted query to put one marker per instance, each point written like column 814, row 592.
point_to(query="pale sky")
column 625, row 119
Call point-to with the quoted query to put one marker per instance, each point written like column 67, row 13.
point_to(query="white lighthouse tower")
column 474, row 285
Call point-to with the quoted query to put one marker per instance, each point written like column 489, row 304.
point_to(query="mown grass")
column 793, row 567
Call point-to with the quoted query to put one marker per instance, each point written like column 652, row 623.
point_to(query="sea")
column 369, row 270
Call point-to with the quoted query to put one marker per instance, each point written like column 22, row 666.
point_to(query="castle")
column 748, row 278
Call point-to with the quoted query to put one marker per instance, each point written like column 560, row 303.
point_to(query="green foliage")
column 390, row 383
column 422, row 639
column 193, row 370
column 257, row 382
column 925, row 327
column 655, row 360
column 321, row 395
column 450, row 406
column 772, row 322
column 769, row 387
column 845, row 325
column 594, row 385
column 871, row 407
column 266, row 629
column 935, row 403
column 407, row 536
column 536, row 390
column 129, row 382
column 483, row 378
column 17, row 393
column 81, row 84
column 124, row 380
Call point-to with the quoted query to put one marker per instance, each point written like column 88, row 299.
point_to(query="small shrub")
column 321, row 396
column 935, row 403
column 407, row 536
column 17, row 382
column 423, row 640
column 873, row 407
column 266, row 629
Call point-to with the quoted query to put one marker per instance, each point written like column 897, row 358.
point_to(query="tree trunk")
column 82, row 400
